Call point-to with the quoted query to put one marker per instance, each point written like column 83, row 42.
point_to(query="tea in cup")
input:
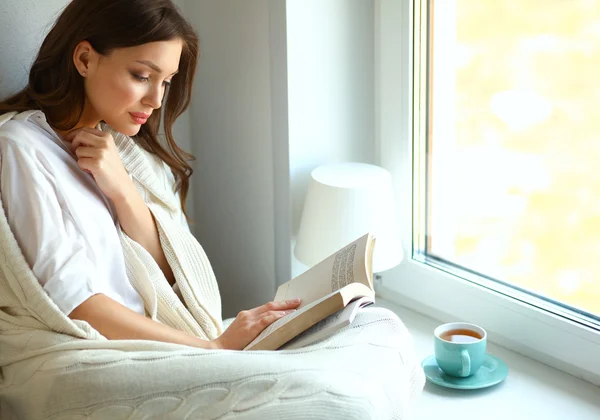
column 460, row 348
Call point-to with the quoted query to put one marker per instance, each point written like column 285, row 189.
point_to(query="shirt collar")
column 35, row 114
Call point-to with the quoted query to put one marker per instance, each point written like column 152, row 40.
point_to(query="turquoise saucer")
column 492, row 372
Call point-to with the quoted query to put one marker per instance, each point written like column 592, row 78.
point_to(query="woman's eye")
column 166, row 83
column 140, row 78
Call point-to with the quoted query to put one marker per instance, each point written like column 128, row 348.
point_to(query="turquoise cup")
column 460, row 355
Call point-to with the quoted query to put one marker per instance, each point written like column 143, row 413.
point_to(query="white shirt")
column 64, row 224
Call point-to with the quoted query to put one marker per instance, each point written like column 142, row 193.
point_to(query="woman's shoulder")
column 22, row 129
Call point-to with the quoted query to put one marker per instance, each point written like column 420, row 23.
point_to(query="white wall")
column 331, row 87
column 241, row 179
column 23, row 25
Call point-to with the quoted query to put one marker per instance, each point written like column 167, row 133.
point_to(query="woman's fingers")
column 83, row 130
column 89, row 152
column 90, row 165
column 276, row 306
column 267, row 318
column 97, row 154
column 87, row 137
column 248, row 324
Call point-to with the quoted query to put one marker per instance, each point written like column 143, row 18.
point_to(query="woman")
column 105, row 70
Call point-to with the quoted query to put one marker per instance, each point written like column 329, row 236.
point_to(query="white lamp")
column 344, row 201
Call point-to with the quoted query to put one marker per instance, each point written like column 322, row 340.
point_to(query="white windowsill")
column 532, row 390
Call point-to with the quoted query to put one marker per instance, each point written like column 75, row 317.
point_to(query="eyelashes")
column 146, row 79
column 140, row 78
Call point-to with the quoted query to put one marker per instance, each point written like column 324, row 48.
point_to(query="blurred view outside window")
column 513, row 167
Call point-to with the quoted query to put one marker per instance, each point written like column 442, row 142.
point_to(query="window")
column 512, row 183
column 494, row 160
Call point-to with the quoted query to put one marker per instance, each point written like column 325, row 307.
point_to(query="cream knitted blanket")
column 52, row 367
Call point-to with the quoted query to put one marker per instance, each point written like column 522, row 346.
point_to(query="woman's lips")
column 139, row 117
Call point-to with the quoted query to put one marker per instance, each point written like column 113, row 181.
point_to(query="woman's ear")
column 84, row 58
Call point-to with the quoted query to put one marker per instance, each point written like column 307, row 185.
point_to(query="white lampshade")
column 345, row 201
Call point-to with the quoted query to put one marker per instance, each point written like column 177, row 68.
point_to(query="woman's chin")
column 132, row 130
column 129, row 129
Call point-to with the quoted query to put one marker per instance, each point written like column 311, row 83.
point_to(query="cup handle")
column 466, row 363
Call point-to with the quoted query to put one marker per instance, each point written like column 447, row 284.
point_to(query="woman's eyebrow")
column 154, row 66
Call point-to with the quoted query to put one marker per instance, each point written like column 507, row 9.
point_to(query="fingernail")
column 295, row 300
column 290, row 311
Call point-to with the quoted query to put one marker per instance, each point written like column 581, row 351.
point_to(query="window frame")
column 526, row 329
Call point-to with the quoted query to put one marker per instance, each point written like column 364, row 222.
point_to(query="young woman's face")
column 126, row 86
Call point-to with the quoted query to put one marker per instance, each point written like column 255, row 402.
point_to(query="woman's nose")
column 154, row 97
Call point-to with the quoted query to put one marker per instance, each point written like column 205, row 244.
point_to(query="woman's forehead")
column 161, row 56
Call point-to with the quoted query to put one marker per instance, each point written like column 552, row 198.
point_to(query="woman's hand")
column 98, row 155
column 248, row 324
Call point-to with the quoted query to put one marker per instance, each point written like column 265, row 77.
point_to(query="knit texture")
column 366, row 371
column 189, row 263
column 52, row 367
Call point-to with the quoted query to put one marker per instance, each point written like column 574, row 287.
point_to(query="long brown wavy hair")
column 56, row 87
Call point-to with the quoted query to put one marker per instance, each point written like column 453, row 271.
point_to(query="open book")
column 325, row 289
column 329, row 325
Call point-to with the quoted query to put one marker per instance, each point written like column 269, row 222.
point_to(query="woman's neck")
column 63, row 133
column 87, row 119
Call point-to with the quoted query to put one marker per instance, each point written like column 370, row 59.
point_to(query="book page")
column 344, row 267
